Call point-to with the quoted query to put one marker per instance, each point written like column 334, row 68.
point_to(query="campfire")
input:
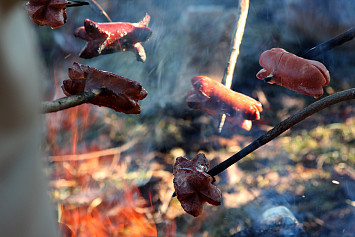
column 148, row 135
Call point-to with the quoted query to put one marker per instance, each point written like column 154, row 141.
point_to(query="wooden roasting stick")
column 70, row 101
column 77, row 3
column 284, row 126
column 323, row 47
column 234, row 51
column 291, row 121
column 330, row 44
column 301, row 115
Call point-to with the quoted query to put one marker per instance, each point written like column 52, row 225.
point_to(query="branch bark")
column 330, row 44
column 77, row 3
column 234, row 50
column 283, row 126
column 235, row 44
column 70, row 101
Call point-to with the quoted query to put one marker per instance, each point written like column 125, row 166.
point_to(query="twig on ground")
column 70, row 101
column 282, row 127
column 330, row 44
column 234, row 50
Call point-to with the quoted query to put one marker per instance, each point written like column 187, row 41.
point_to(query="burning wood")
column 121, row 94
column 215, row 99
column 295, row 73
column 193, row 186
column 106, row 38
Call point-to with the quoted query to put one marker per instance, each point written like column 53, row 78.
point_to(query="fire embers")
column 215, row 99
column 47, row 12
column 106, row 38
column 121, row 94
column 298, row 74
column 193, row 186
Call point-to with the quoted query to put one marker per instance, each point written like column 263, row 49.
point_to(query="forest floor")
column 121, row 183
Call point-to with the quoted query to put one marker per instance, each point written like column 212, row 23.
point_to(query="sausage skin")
column 295, row 73
column 214, row 97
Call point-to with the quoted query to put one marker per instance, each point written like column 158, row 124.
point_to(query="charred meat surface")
column 47, row 12
column 106, row 38
column 193, row 186
column 121, row 94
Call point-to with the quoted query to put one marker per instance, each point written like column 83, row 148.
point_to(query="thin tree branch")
column 283, row 126
column 330, row 44
column 70, row 101
column 76, row 3
column 235, row 44
column 102, row 11
column 234, row 50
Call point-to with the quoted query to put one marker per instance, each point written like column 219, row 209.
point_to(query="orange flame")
column 107, row 219
column 126, row 216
